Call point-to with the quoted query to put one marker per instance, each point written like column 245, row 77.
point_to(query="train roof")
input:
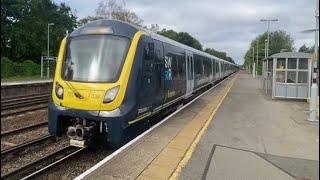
column 129, row 30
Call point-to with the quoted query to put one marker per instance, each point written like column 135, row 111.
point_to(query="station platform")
column 234, row 131
column 25, row 82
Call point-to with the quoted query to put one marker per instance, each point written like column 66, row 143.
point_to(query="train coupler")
column 80, row 134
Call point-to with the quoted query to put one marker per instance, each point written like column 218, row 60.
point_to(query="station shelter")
column 287, row 75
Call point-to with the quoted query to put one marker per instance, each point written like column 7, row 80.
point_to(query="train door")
column 159, row 74
column 148, row 77
column 190, row 72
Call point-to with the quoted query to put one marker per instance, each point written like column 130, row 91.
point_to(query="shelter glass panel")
column 302, row 77
column 303, row 63
column 281, row 63
column 291, row 76
column 280, row 76
column 292, row 63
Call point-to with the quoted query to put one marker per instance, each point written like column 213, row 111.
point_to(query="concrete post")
column 314, row 86
column 41, row 66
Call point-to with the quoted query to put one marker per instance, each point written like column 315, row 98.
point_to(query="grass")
column 24, row 78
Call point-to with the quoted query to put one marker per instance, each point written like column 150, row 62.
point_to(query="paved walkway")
column 254, row 137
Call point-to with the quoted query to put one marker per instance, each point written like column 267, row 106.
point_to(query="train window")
column 95, row 58
column 181, row 66
column 207, row 67
column 174, row 66
column 148, row 51
column 214, row 66
column 191, row 62
column 158, row 56
column 198, row 66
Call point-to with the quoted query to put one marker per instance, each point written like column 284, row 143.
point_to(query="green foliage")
column 24, row 27
column 279, row 41
column 52, row 68
column 6, row 67
column 187, row 39
column 306, row 49
column 219, row 54
column 182, row 37
column 29, row 68
column 171, row 34
column 24, row 69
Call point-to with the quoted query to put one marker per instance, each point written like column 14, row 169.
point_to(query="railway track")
column 16, row 131
column 43, row 164
column 14, row 150
column 22, row 104
column 23, row 101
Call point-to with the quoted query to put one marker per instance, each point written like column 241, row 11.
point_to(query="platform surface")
column 235, row 131
column 254, row 137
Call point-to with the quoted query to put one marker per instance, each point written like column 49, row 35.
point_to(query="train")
column 111, row 75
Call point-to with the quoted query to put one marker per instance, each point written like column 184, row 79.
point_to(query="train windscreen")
column 95, row 58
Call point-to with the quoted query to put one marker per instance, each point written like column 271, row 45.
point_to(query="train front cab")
column 94, row 106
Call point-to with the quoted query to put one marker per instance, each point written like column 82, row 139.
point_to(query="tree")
column 24, row 27
column 88, row 19
column 187, row 39
column 279, row 40
column 219, row 54
column 306, row 49
column 171, row 34
column 182, row 37
column 113, row 9
column 154, row 28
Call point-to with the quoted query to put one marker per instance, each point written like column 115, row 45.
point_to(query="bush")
column 52, row 68
column 29, row 68
column 6, row 67
column 26, row 68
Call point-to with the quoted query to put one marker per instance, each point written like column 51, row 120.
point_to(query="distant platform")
column 25, row 82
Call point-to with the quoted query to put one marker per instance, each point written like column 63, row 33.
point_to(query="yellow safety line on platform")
column 191, row 149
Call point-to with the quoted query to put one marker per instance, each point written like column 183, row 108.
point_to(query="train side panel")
column 174, row 73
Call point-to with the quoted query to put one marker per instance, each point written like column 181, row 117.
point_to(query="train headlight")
column 111, row 94
column 59, row 91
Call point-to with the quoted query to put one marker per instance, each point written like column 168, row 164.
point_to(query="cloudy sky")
column 225, row 25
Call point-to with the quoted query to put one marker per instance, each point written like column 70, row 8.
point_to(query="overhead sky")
column 225, row 25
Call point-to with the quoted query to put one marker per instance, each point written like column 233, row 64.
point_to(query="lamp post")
column 314, row 86
column 257, row 58
column 265, row 49
column 253, row 65
column 49, row 24
column 268, row 20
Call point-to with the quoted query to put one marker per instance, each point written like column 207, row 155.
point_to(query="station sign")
column 50, row 58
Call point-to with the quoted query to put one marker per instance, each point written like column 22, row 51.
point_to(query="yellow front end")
column 93, row 94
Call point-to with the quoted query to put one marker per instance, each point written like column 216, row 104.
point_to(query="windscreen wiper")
column 76, row 93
